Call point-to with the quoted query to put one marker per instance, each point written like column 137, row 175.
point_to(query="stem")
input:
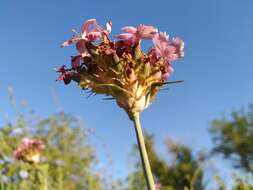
column 45, row 183
column 60, row 178
column 143, row 152
column 42, row 171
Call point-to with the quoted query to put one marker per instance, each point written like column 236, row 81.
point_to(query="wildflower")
column 16, row 131
column 169, row 51
column 29, row 150
column 23, row 174
column 120, row 68
column 90, row 32
column 135, row 35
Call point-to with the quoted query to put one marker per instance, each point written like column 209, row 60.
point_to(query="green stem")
column 143, row 152
column 60, row 178
column 43, row 169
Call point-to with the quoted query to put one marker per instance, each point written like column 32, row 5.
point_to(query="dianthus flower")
column 120, row 69
column 29, row 150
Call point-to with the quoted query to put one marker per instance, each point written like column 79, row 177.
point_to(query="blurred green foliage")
column 184, row 172
column 66, row 164
column 234, row 138
column 69, row 161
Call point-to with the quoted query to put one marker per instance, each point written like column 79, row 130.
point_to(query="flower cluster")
column 29, row 150
column 120, row 68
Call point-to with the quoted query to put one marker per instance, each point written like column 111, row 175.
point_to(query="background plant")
column 68, row 155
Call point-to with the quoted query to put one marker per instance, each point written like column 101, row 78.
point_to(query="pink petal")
column 109, row 27
column 145, row 31
column 87, row 26
column 178, row 43
column 60, row 78
column 124, row 36
column 92, row 36
column 152, row 56
column 26, row 141
column 129, row 29
column 81, row 48
column 74, row 39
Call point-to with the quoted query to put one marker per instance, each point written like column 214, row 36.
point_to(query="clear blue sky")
column 217, row 68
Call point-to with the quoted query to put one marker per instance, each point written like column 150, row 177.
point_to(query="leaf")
column 111, row 98
column 170, row 82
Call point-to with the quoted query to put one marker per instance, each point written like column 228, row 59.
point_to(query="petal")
column 74, row 39
column 67, row 43
column 92, row 36
column 26, row 141
column 145, row 31
column 82, row 49
column 87, row 26
column 129, row 29
column 109, row 27
column 178, row 43
column 124, row 36
column 60, row 69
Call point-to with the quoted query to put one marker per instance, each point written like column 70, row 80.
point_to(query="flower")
column 120, row 68
column 169, row 51
column 135, row 35
column 29, row 150
column 16, row 131
column 90, row 32
column 23, row 174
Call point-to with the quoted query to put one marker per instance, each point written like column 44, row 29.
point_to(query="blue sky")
column 217, row 68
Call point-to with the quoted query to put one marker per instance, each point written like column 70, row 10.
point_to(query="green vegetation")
column 184, row 172
column 68, row 161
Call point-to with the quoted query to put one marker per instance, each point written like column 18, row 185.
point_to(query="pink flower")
column 108, row 29
column 122, row 69
column 29, row 150
column 90, row 32
column 135, row 35
column 169, row 51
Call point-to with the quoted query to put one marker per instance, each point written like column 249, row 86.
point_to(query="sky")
column 217, row 68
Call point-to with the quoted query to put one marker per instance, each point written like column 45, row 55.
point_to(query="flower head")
column 120, row 68
column 134, row 35
column 90, row 32
column 29, row 150
column 169, row 50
